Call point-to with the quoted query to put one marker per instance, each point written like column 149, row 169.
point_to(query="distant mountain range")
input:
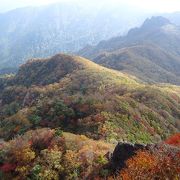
column 151, row 52
column 65, row 27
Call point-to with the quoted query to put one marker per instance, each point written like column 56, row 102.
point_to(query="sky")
column 146, row 5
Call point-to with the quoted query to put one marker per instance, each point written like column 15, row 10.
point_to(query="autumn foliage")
column 174, row 140
column 85, row 98
column 49, row 154
column 50, row 100
column 151, row 162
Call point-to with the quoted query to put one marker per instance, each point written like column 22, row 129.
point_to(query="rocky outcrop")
column 122, row 152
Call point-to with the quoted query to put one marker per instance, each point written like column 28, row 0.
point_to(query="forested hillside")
column 61, row 118
column 82, row 97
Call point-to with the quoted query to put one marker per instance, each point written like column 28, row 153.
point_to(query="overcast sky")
column 147, row 5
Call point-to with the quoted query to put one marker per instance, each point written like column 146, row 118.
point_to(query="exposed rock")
column 123, row 152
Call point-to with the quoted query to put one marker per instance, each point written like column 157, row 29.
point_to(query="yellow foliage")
column 49, row 175
column 25, row 155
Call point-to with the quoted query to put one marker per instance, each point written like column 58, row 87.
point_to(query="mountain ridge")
column 156, row 46
column 86, row 99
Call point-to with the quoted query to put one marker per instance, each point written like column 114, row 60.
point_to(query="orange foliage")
column 150, row 164
column 138, row 165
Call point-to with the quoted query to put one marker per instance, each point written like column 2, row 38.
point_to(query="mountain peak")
column 150, row 24
column 155, row 21
column 53, row 69
column 49, row 70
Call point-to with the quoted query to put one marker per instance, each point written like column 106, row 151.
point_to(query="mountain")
column 62, row 118
column 150, row 52
column 85, row 98
column 38, row 32
column 65, row 27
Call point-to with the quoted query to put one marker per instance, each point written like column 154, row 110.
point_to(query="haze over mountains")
column 173, row 17
column 150, row 52
column 65, row 27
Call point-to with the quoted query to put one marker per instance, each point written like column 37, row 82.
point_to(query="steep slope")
column 84, row 98
column 155, row 44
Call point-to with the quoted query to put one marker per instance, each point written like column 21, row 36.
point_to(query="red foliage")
column 7, row 167
column 174, row 140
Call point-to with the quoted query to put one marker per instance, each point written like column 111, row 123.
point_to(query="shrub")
column 58, row 132
column 35, row 119
column 12, row 109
